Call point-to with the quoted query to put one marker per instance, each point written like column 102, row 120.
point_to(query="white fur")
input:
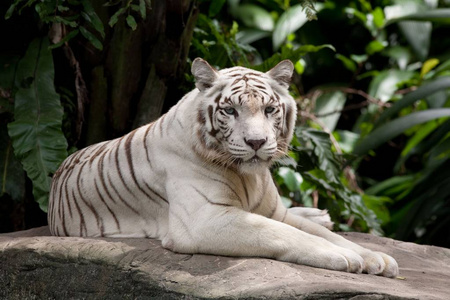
column 187, row 191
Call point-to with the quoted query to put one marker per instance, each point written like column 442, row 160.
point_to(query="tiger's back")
column 110, row 189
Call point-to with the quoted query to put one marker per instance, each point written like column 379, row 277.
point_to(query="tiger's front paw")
column 333, row 258
column 379, row 263
column 315, row 215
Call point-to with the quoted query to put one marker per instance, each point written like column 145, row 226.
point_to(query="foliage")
column 35, row 133
column 386, row 79
column 372, row 83
column 80, row 16
column 317, row 173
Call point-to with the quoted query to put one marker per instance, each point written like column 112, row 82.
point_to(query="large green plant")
column 28, row 99
column 35, row 133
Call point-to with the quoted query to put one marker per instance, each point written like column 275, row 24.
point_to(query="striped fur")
column 198, row 179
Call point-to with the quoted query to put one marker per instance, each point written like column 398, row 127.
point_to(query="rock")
column 35, row 265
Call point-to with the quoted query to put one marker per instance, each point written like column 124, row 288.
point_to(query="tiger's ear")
column 282, row 72
column 204, row 74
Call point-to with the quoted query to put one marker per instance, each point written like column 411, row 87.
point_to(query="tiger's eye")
column 269, row 109
column 230, row 110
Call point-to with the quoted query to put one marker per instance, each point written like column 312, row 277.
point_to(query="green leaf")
column 374, row 47
column 377, row 205
column 418, row 34
column 445, row 66
column 359, row 59
column 65, row 39
column 431, row 141
column 348, row 63
column 286, row 201
column 115, row 17
column 321, row 146
column 255, row 16
column 392, row 186
column 131, row 22
column 378, row 17
column 291, row 179
column 91, row 16
column 346, row 139
column 69, row 21
column 143, row 9
column 330, row 104
column 215, row 7
column 422, row 92
column 441, row 15
column 390, row 130
column 421, row 133
column 384, row 85
column 438, row 99
column 36, row 134
column 11, row 9
column 91, row 38
column 356, row 13
column 440, row 152
column 300, row 66
column 292, row 54
column 428, row 65
column 290, row 21
column 248, row 36
column 402, row 55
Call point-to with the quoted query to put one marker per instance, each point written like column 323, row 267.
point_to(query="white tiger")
column 198, row 179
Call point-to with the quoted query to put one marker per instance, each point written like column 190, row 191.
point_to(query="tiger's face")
column 246, row 117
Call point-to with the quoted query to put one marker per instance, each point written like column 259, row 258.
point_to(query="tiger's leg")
column 226, row 230
column 374, row 262
column 318, row 216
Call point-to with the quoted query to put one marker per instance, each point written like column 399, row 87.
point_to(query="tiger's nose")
column 255, row 144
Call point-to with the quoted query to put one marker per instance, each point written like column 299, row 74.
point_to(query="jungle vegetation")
column 372, row 81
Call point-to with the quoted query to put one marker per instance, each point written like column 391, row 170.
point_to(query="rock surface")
column 34, row 265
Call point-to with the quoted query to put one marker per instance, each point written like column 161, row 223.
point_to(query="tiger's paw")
column 315, row 215
column 379, row 263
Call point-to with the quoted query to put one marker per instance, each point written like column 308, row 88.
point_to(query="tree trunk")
column 129, row 80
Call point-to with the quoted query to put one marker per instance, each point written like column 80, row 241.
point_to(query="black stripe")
column 261, row 87
column 106, row 204
column 97, row 153
column 209, row 201
column 145, row 143
column 160, row 121
column 82, row 221
column 231, row 189
column 102, row 179
column 120, row 197
column 213, row 131
column 154, row 192
column 128, row 154
column 245, row 189
column 119, row 171
column 86, row 202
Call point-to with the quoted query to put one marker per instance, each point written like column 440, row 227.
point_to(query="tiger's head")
column 246, row 118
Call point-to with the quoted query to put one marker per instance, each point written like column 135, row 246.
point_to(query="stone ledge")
column 34, row 265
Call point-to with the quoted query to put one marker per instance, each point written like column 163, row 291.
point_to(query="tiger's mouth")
column 253, row 160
